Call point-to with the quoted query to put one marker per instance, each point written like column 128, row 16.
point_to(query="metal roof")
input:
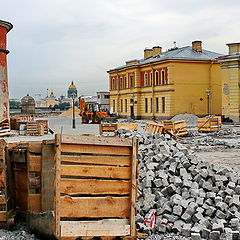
column 184, row 53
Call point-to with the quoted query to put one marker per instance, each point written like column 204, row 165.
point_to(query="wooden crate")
column 45, row 125
column 130, row 126
column 107, row 128
column 110, row 128
column 152, row 127
column 88, row 188
column 34, row 129
column 209, row 124
column 95, row 187
column 6, row 197
column 175, row 128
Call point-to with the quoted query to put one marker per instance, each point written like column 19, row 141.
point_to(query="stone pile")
column 179, row 193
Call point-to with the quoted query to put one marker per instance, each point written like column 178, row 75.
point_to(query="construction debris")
column 209, row 124
column 190, row 119
column 181, row 194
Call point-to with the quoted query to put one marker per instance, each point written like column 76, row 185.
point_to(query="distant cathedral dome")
column 72, row 91
column 52, row 95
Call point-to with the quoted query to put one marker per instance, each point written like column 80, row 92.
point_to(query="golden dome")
column 72, row 86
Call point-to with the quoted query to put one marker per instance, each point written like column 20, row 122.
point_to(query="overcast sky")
column 55, row 42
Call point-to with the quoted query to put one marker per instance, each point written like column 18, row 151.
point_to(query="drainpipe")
column 152, row 91
column 210, row 88
column 117, row 93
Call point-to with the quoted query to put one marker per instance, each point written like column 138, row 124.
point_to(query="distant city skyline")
column 59, row 41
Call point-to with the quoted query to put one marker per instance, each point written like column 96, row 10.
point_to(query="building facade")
column 230, row 65
column 164, row 84
column 103, row 98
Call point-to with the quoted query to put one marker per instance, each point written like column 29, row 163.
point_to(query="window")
column 145, row 79
column 125, row 105
column 163, row 76
column 125, row 82
column 151, row 78
column 151, row 106
column 121, row 83
column 114, row 108
column 163, row 105
column 106, row 96
column 121, row 105
column 156, row 79
column 132, row 81
column 157, row 105
column 146, row 105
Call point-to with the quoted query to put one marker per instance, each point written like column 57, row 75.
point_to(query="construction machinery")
column 91, row 111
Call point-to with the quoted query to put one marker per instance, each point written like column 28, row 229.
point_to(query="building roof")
column 183, row 53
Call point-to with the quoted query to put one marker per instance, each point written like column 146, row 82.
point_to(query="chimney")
column 148, row 53
column 234, row 48
column 197, row 46
column 156, row 51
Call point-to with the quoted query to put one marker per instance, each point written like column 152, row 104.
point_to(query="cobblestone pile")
column 178, row 193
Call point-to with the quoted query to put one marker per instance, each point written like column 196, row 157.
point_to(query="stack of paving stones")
column 189, row 197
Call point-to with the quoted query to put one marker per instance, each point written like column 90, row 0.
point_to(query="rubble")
column 191, row 119
column 178, row 193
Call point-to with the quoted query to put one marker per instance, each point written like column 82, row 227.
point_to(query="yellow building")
column 230, row 65
column 163, row 84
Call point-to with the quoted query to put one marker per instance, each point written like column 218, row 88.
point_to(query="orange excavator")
column 91, row 111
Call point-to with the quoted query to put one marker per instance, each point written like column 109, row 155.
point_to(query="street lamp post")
column 73, row 116
column 208, row 93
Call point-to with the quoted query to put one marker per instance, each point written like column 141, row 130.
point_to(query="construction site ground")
column 221, row 149
column 226, row 153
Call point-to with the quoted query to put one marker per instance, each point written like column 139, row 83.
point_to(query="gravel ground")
column 191, row 119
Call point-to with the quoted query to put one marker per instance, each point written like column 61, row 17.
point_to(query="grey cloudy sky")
column 55, row 42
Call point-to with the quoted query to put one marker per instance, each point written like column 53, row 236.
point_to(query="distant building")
column 231, row 82
column 51, row 101
column 164, row 84
column 103, row 98
column 72, row 91
column 27, row 105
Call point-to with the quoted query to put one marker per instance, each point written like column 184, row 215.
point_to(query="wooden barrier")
column 45, row 125
column 110, row 128
column 209, row 124
column 175, row 128
column 154, row 128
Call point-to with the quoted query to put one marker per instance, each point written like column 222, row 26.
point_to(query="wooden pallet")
column 209, row 124
column 110, row 128
column 175, row 128
column 14, row 121
column 154, row 128
column 34, row 129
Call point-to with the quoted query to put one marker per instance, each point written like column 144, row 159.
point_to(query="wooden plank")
column 131, row 126
column 109, row 160
column 34, row 202
column 95, row 149
column 3, row 216
column 21, row 200
column 94, row 207
column 71, row 229
column 96, row 171
column 21, row 181
column 111, row 141
column 93, row 186
column 35, row 147
column 34, row 163
column 57, row 160
column 133, row 187
column 47, row 176
column 2, row 199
